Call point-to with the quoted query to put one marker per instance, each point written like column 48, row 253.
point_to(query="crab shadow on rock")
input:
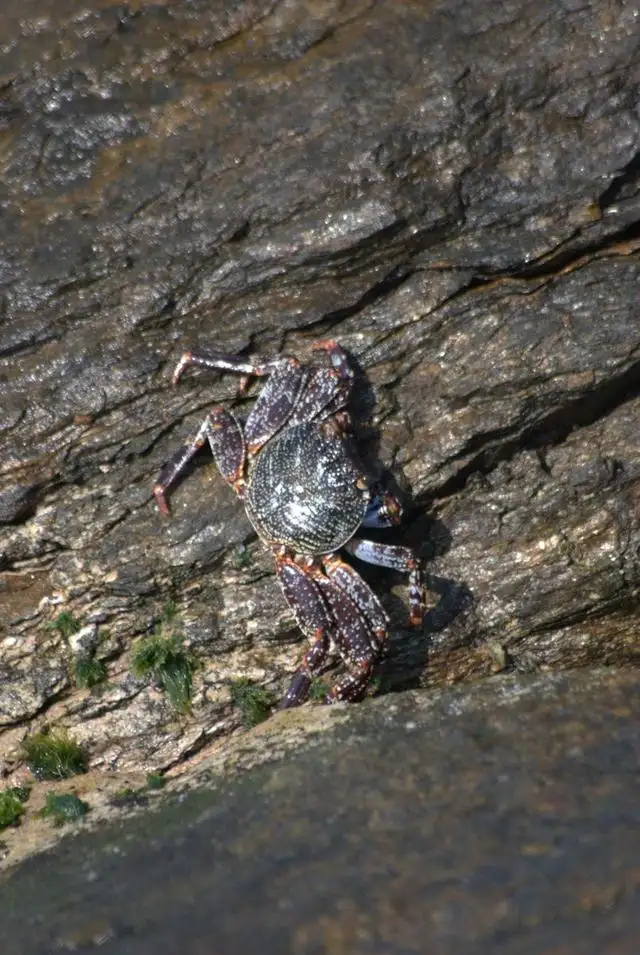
column 406, row 653
column 306, row 464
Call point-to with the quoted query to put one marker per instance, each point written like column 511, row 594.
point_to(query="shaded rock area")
column 510, row 823
column 452, row 190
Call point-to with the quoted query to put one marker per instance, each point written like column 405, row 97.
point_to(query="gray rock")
column 451, row 190
column 501, row 816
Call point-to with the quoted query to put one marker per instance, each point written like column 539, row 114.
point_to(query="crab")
column 295, row 467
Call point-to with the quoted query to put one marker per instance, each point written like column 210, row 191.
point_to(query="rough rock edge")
column 281, row 737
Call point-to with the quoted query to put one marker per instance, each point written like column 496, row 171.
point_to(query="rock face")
column 498, row 817
column 452, row 191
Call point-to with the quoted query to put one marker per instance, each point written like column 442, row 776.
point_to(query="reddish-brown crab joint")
column 307, row 495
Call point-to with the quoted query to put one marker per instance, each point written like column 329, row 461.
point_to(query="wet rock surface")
column 458, row 205
column 504, row 816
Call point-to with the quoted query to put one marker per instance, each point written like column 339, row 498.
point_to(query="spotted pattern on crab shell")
column 304, row 491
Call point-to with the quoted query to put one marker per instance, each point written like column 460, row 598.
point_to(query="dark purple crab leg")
column 354, row 641
column 324, row 388
column 224, row 435
column 227, row 445
column 397, row 558
column 337, row 356
column 224, row 362
column 295, row 394
column 345, row 375
column 299, row 687
column 276, row 400
column 350, row 581
column 176, row 463
column 303, row 595
column 352, row 686
column 275, row 403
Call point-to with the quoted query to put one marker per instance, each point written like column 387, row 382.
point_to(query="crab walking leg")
column 275, row 403
column 351, row 687
column 305, row 599
column 176, row 463
column 227, row 446
column 397, row 558
column 300, row 684
column 350, row 581
column 354, row 641
column 337, row 356
column 303, row 595
column 325, row 390
column 223, row 362
column 224, row 435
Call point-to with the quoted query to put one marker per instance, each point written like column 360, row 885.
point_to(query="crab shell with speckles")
column 296, row 468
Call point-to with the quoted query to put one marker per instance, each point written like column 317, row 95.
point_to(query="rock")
column 459, row 207
column 452, row 821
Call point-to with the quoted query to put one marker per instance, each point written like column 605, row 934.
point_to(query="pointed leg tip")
column 324, row 344
column 161, row 501
column 180, row 367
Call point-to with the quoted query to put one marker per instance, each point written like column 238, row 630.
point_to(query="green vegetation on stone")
column 89, row 672
column 54, row 755
column 318, row 690
column 375, row 687
column 12, row 802
column 127, row 798
column 253, row 701
column 169, row 612
column 167, row 661
column 242, row 557
column 64, row 807
column 65, row 623
column 155, row 781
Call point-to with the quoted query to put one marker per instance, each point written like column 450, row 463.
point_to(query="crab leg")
column 227, row 445
column 397, row 558
column 303, row 595
column 345, row 374
column 353, row 684
column 337, row 356
column 325, row 609
column 176, row 463
column 275, row 402
column 224, row 435
column 301, row 682
column 353, row 639
column 324, row 388
column 223, row 362
column 350, row 581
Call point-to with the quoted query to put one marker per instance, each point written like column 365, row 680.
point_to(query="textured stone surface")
column 460, row 207
column 504, row 816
